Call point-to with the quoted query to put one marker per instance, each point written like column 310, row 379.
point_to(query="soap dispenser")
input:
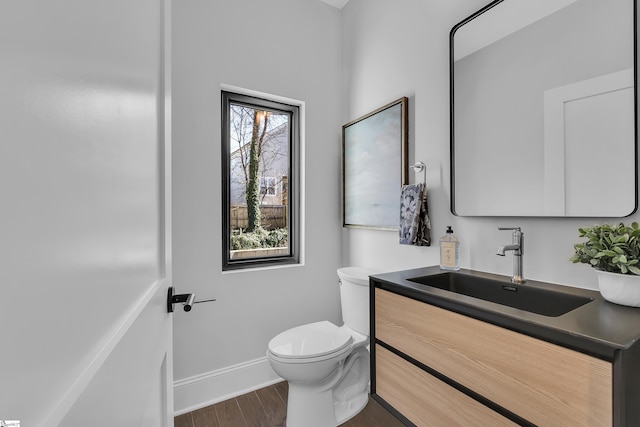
column 449, row 251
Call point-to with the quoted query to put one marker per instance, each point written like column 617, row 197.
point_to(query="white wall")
column 400, row 48
column 288, row 48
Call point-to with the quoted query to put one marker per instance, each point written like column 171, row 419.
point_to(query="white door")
column 85, row 262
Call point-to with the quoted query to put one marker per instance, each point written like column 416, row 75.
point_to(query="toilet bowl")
column 327, row 366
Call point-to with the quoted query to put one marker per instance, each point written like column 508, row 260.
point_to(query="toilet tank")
column 354, row 297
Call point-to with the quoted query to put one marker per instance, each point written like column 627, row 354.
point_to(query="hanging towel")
column 415, row 226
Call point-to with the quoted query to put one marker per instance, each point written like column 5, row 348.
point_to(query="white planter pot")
column 623, row 289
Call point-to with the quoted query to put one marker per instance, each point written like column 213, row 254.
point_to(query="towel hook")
column 420, row 167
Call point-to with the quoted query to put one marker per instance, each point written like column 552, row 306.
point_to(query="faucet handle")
column 509, row 228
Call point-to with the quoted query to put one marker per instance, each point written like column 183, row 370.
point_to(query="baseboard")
column 212, row 387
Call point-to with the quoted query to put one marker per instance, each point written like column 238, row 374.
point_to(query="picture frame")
column 374, row 167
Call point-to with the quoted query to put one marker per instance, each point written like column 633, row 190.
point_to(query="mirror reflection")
column 543, row 109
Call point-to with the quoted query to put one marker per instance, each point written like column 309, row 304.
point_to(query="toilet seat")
column 312, row 342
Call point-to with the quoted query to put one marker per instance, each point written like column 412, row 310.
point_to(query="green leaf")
column 634, row 270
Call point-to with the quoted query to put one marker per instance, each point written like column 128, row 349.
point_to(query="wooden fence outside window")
column 273, row 216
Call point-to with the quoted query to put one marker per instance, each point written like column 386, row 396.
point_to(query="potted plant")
column 614, row 252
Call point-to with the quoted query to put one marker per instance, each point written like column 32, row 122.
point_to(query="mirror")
column 543, row 109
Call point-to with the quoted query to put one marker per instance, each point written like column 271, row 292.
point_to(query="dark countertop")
column 599, row 328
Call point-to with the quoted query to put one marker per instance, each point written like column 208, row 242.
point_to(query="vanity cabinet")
column 442, row 358
column 425, row 355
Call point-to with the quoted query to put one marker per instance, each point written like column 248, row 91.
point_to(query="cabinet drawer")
column 424, row 399
column 541, row 382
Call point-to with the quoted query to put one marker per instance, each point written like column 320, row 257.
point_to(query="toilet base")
column 308, row 408
column 335, row 402
column 346, row 410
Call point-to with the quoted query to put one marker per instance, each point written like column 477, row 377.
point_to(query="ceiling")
column 336, row 3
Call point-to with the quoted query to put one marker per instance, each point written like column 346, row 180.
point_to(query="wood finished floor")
column 267, row 407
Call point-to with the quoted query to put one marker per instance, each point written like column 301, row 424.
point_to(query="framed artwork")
column 374, row 167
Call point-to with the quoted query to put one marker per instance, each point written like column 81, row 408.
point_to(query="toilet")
column 327, row 366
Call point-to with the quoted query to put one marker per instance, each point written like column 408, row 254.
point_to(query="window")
column 268, row 186
column 260, row 182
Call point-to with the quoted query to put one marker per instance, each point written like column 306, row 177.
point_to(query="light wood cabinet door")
column 424, row 399
column 544, row 383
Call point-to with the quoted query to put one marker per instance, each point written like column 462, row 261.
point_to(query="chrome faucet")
column 517, row 247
